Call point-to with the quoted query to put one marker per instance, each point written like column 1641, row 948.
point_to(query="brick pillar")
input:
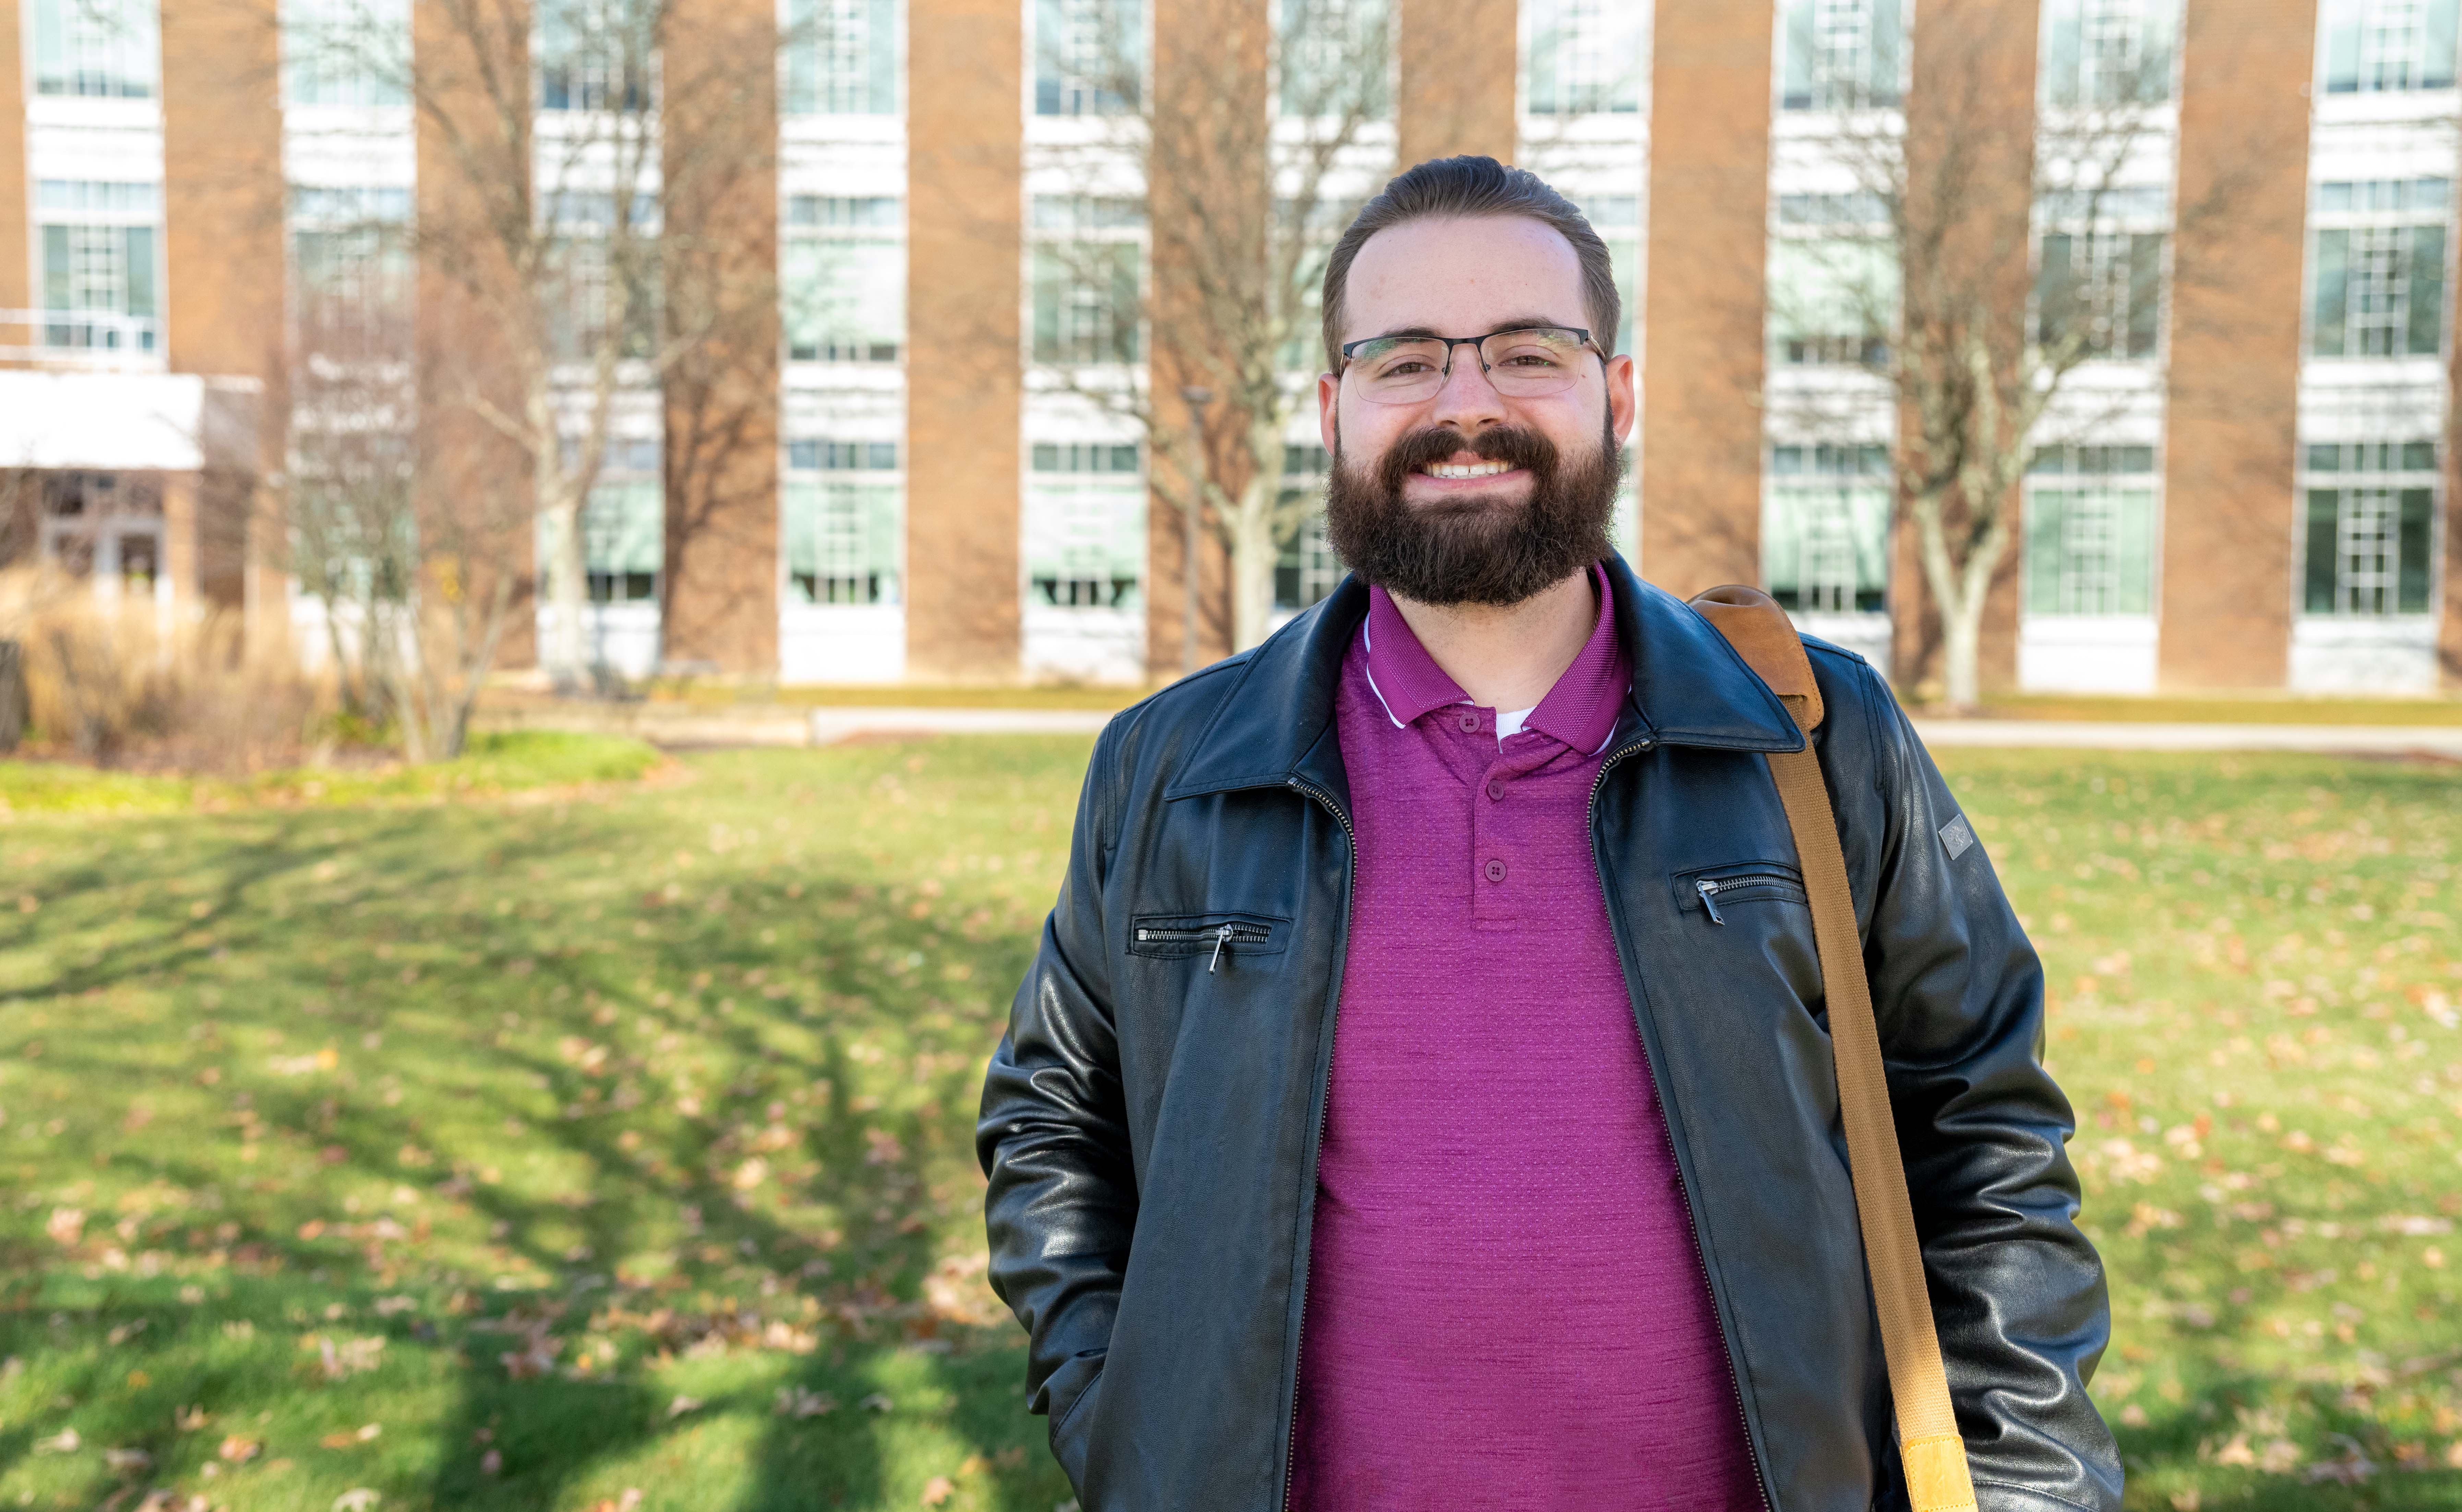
column 966, row 135
column 1701, row 339
column 1970, row 174
column 16, row 234
column 474, row 498
column 2230, row 442
column 224, row 254
column 1460, row 78
column 1208, row 168
column 719, row 590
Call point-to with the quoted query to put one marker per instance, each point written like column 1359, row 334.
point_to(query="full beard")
column 1479, row 551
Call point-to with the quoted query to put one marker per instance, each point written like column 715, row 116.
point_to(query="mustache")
column 1510, row 445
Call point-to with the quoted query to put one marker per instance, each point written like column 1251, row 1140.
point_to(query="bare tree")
column 547, row 174
column 1241, row 153
column 1982, row 259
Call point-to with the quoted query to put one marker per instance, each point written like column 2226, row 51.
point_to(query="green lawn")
column 538, row 1151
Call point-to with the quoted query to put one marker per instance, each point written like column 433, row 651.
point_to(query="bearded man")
column 1422, row 1097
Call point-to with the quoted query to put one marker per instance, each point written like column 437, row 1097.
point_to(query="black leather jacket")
column 1150, row 1127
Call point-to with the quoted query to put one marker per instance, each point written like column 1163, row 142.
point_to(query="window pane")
column 2426, row 294
column 2330, row 337
column 2417, row 511
column 107, row 49
column 2324, row 507
column 1825, row 550
column 1088, row 57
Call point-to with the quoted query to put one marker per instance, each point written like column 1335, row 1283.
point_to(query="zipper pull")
column 1709, row 890
column 1221, row 937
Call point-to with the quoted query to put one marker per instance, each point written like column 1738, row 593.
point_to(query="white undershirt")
column 1508, row 722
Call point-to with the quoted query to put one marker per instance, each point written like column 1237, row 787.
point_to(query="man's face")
column 1543, row 469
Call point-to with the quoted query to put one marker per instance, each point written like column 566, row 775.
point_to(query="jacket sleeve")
column 1052, row 1134
column 2017, row 1292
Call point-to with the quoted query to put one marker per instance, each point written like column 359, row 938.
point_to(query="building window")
column 2371, row 518
column 842, row 522
column 841, row 57
column 1825, row 528
column 844, row 268
column 345, row 52
column 1839, row 54
column 2101, row 293
column 2378, row 261
column 595, row 55
column 106, row 49
column 1618, row 219
column 624, row 525
column 353, row 276
column 2375, row 46
column 1833, row 281
column 101, row 273
column 2109, row 52
column 2090, row 531
column 1584, row 58
column 1087, row 260
column 1088, row 57
column 1085, row 525
column 1332, row 59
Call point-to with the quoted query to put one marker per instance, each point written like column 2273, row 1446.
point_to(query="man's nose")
column 1467, row 401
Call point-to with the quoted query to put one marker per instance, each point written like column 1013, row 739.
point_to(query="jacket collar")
column 1275, row 726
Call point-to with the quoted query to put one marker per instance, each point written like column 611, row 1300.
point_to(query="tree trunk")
column 1252, row 567
column 1961, row 633
column 562, row 654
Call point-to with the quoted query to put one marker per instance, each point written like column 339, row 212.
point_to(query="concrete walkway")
column 838, row 724
column 684, row 727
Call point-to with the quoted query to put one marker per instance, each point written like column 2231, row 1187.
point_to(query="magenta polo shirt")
column 1506, row 1305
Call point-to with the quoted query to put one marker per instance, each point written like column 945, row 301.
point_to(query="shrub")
column 128, row 680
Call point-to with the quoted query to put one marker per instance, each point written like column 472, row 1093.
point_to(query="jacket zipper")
column 1708, row 888
column 1222, row 937
column 1667, row 1116
column 1324, row 1105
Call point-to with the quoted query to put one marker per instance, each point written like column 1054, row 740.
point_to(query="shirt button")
column 1496, row 871
column 1469, row 723
column 1495, row 790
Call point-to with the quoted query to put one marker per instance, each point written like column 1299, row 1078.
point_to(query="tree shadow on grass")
column 484, row 1020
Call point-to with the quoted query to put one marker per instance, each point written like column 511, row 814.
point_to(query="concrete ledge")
column 2344, row 739
column 838, row 724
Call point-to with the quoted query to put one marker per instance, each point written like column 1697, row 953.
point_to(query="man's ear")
column 1328, row 416
column 1622, row 408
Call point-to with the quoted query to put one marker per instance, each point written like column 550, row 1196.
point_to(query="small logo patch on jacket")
column 1957, row 837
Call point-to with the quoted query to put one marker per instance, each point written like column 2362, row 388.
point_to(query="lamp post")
column 1197, row 399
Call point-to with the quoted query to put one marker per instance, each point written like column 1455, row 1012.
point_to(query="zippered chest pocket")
column 1707, row 892
column 1220, row 939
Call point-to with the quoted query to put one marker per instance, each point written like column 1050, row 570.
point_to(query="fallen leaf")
column 66, row 1225
column 876, row 1403
column 358, row 1499
column 64, row 1442
column 936, row 1490
column 682, row 1405
column 126, row 1462
column 240, row 1451
column 492, row 1462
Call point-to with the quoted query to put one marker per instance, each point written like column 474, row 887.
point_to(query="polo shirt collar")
column 1580, row 711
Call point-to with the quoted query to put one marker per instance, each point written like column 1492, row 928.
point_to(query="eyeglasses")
column 1523, row 362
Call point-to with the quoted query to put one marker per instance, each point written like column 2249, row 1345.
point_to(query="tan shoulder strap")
column 1928, row 1442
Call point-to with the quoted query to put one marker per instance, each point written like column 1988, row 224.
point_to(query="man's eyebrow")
column 1511, row 323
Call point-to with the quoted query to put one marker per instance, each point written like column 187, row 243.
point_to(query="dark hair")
column 1469, row 186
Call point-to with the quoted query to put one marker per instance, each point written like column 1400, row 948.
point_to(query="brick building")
column 2249, row 484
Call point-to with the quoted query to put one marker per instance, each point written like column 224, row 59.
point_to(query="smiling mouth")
column 1476, row 469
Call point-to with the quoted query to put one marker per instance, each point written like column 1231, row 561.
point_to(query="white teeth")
column 1483, row 469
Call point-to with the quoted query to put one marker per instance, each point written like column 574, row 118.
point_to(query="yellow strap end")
column 1936, row 1478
